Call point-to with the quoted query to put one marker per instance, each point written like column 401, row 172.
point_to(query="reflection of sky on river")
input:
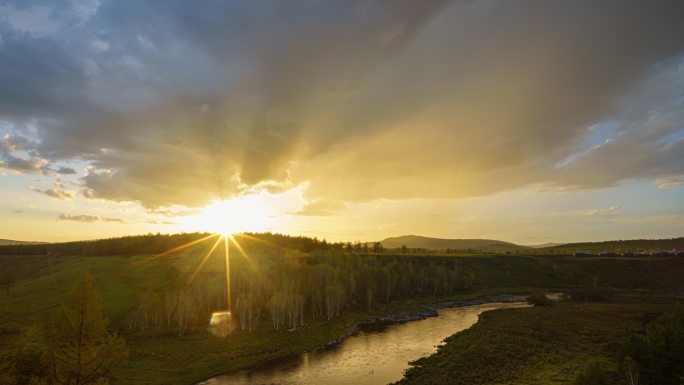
column 369, row 357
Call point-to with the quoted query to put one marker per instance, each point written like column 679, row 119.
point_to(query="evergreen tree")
column 81, row 350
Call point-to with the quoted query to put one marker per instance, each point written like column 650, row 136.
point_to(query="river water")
column 367, row 358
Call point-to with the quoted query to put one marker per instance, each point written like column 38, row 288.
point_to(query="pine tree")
column 82, row 352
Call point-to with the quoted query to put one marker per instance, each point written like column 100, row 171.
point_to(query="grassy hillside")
column 537, row 345
column 418, row 242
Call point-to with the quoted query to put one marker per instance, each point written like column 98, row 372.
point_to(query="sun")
column 226, row 217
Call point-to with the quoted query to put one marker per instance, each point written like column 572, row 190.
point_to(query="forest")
column 155, row 244
column 285, row 289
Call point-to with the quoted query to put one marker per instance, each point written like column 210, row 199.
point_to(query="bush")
column 539, row 299
column 658, row 356
column 595, row 373
column 591, row 294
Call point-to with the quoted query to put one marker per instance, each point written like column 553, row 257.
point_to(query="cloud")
column 662, row 219
column 162, row 223
column 65, row 171
column 88, row 218
column 34, row 164
column 40, row 20
column 666, row 218
column 595, row 212
column 56, row 193
column 175, row 211
column 669, row 182
column 321, row 208
column 34, row 20
column 28, row 163
column 7, row 145
column 361, row 100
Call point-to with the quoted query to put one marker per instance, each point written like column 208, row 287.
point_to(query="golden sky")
column 524, row 121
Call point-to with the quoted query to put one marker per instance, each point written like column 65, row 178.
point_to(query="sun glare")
column 226, row 217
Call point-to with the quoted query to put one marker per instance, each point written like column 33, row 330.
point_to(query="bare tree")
column 631, row 371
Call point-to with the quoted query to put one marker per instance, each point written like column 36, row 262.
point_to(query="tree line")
column 281, row 289
column 156, row 244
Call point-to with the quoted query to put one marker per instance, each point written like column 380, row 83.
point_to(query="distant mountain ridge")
column 546, row 245
column 4, row 242
column 420, row 242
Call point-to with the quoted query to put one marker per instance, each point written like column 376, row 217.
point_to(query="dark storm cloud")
column 183, row 102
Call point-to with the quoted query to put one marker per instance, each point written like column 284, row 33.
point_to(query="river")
column 369, row 357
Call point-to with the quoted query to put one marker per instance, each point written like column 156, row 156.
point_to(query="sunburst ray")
column 186, row 245
column 204, row 260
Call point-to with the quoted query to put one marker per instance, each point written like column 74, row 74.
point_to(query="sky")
column 525, row 121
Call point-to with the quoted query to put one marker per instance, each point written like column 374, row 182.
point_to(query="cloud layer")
column 88, row 218
column 175, row 104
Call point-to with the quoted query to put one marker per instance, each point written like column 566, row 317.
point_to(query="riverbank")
column 407, row 311
column 430, row 309
column 536, row 345
column 368, row 358
column 244, row 351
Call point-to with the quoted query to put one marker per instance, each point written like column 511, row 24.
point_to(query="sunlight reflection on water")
column 367, row 358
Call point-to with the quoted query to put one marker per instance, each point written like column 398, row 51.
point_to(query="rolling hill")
column 416, row 241
column 621, row 245
column 545, row 245
column 4, row 242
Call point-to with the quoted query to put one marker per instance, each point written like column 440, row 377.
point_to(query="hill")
column 418, row 242
column 4, row 242
column 545, row 245
column 632, row 245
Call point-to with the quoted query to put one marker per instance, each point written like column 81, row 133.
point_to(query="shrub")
column 590, row 294
column 539, row 299
column 595, row 373
column 658, row 356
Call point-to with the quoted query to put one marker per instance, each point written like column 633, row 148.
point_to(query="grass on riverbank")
column 537, row 345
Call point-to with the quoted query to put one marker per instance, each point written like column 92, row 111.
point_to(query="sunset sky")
column 525, row 121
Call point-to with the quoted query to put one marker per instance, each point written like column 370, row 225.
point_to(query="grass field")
column 158, row 357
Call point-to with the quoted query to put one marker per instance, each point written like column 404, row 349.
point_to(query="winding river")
column 369, row 357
